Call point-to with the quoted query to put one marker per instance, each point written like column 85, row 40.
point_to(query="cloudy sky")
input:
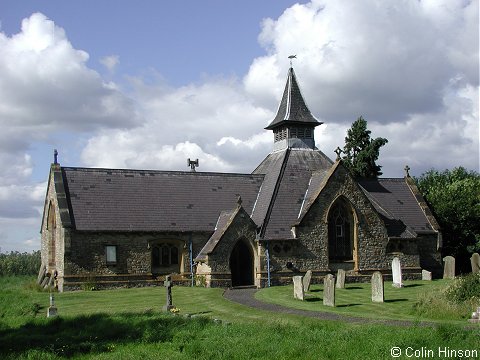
column 150, row 84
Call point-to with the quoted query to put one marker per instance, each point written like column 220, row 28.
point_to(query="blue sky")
column 181, row 39
column 152, row 83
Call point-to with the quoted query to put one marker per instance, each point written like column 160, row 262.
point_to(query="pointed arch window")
column 340, row 231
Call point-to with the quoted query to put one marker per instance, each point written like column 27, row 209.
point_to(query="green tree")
column 361, row 152
column 454, row 197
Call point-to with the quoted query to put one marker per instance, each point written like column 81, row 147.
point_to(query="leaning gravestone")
column 306, row 280
column 448, row 267
column 377, row 287
column 475, row 261
column 298, row 292
column 41, row 274
column 168, row 284
column 329, row 290
column 397, row 273
column 340, row 279
column 426, row 275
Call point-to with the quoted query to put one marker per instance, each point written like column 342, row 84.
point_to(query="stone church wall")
column 430, row 256
column 46, row 233
column 85, row 259
column 370, row 231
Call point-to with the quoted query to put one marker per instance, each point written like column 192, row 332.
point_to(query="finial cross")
column 338, row 151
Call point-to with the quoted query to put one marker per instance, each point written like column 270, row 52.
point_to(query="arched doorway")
column 241, row 264
column 341, row 232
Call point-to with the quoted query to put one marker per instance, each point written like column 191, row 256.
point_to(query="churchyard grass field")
column 129, row 324
column 416, row 301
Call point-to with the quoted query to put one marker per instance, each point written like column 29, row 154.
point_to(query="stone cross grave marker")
column 298, row 292
column 475, row 261
column 329, row 290
column 397, row 272
column 52, row 310
column 340, row 279
column 448, row 267
column 168, row 284
column 378, row 294
column 307, row 280
column 426, row 275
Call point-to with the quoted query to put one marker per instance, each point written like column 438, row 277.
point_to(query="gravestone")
column 340, row 279
column 52, row 310
column 397, row 273
column 475, row 316
column 298, row 292
column 329, row 290
column 426, row 275
column 306, row 280
column 448, row 267
column 168, row 284
column 475, row 261
column 378, row 294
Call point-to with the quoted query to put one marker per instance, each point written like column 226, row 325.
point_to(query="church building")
column 298, row 210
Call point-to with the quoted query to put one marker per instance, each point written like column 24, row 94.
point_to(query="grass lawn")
column 128, row 324
column 355, row 300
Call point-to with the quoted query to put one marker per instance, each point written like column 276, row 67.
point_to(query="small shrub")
column 89, row 284
column 464, row 288
column 200, row 280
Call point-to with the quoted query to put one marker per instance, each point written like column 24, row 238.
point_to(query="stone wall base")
column 222, row 280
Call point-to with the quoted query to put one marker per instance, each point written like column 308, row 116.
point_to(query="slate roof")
column 224, row 220
column 395, row 202
column 293, row 108
column 287, row 178
column 144, row 200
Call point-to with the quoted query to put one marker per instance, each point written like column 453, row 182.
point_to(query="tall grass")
column 16, row 263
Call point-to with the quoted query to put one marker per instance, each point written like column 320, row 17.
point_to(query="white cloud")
column 110, row 62
column 187, row 122
column 46, row 85
column 385, row 60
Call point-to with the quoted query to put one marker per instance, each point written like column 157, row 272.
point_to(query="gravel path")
column 246, row 297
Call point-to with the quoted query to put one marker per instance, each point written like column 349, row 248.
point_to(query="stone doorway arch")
column 242, row 264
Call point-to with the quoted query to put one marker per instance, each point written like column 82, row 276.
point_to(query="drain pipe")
column 267, row 253
column 190, row 248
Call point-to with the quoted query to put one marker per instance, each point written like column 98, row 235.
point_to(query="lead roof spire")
column 292, row 106
column 293, row 120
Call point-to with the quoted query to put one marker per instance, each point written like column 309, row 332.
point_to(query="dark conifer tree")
column 361, row 152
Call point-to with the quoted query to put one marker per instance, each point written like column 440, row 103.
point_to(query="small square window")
column 111, row 252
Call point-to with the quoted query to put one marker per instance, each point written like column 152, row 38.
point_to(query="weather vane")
column 291, row 57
